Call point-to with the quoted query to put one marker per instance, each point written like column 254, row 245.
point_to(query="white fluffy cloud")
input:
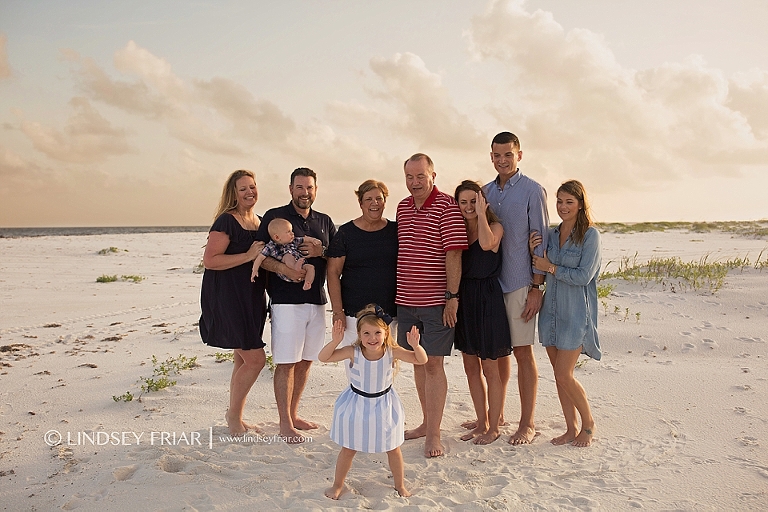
column 425, row 112
column 588, row 116
column 87, row 136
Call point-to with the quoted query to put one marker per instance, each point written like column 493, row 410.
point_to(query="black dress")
column 233, row 308
column 482, row 328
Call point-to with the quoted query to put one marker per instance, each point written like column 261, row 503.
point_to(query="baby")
column 285, row 247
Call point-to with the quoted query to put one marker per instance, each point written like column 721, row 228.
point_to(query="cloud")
column 251, row 118
column 157, row 95
column 87, row 137
column 748, row 95
column 219, row 115
column 585, row 115
column 424, row 108
column 5, row 68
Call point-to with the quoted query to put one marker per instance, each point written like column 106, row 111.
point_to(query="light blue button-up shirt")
column 568, row 316
column 521, row 207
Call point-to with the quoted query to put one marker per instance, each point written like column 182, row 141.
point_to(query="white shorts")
column 522, row 332
column 298, row 332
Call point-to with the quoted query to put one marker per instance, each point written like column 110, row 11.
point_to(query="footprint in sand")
column 740, row 410
column 171, row 464
column 686, row 333
column 125, row 472
column 712, row 344
column 688, row 347
column 743, row 387
column 751, row 340
column 748, row 441
column 712, row 302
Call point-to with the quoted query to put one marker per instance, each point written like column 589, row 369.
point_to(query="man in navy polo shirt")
column 298, row 315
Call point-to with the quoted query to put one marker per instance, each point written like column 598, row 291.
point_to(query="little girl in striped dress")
column 368, row 415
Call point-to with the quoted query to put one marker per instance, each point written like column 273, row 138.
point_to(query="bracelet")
column 551, row 269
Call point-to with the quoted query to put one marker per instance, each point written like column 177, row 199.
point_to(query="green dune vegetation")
column 747, row 228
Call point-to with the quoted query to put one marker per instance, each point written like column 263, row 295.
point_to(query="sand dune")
column 679, row 397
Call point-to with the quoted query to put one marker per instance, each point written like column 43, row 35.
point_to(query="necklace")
column 249, row 225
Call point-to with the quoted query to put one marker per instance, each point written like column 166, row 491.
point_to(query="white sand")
column 679, row 398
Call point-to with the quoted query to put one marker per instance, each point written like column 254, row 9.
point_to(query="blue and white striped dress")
column 371, row 425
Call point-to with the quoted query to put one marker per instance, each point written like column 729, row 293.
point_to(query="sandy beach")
column 679, row 397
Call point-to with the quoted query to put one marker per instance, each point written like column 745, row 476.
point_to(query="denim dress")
column 568, row 316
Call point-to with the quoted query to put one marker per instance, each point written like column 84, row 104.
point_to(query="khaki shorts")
column 298, row 332
column 522, row 332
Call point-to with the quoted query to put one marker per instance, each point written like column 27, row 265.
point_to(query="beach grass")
column 104, row 278
column 677, row 275
column 111, row 250
column 161, row 373
column 751, row 229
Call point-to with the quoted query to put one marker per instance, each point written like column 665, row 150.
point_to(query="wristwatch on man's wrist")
column 449, row 295
column 538, row 286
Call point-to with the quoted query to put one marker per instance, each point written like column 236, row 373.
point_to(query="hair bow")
column 379, row 311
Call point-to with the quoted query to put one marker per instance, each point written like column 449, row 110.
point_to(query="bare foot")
column 304, row 424
column 417, row 432
column 335, row 492
column 403, row 492
column 473, row 433
column 433, row 448
column 488, row 437
column 291, row 436
column 470, row 424
column 236, row 425
column 566, row 438
column 524, row 435
column 584, row 438
column 306, row 286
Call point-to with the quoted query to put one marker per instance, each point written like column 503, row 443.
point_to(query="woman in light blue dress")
column 368, row 415
column 568, row 316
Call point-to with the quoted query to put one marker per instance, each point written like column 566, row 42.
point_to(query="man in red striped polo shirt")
column 431, row 236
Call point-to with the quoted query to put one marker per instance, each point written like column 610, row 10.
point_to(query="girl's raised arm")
column 329, row 353
column 418, row 356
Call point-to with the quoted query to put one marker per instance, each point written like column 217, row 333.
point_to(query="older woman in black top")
column 363, row 247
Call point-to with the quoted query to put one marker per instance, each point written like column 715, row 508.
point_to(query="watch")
column 449, row 295
column 538, row 286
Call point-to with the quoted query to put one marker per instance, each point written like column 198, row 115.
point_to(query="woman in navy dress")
column 234, row 308
column 482, row 330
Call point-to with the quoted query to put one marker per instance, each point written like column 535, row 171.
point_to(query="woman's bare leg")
column 247, row 367
column 478, row 392
column 565, row 362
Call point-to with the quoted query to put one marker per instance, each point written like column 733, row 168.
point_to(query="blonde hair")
column 228, row 200
column 276, row 224
column 368, row 315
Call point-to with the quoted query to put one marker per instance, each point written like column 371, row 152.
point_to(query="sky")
column 134, row 113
